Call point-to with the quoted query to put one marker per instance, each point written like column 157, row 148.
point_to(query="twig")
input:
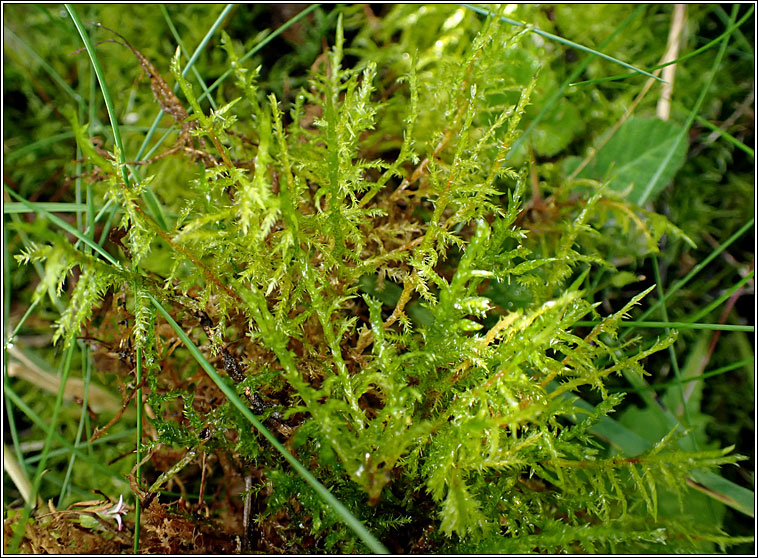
column 663, row 110
column 593, row 152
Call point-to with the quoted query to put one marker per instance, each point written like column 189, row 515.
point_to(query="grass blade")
column 221, row 78
column 51, row 207
column 686, row 128
column 20, row 527
column 148, row 195
column 49, row 430
column 232, row 396
column 195, row 55
column 724, row 297
column 731, row 29
column 686, row 279
column 260, row 45
column 566, row 42
column 727, row 136
column 179, row 41
column 703, row 376
column 56, row 77
column 66, row 227
column 567, row 82
column 678, row 325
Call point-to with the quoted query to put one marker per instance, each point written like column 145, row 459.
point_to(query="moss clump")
column 362, row 265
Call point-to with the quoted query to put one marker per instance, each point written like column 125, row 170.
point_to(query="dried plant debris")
column 79, row 531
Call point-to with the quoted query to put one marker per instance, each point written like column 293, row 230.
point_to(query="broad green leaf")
column 633, row 155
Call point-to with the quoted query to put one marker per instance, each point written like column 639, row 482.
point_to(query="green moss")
column 358, row 248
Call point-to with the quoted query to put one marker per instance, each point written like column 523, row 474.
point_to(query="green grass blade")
column 703, row 376
column 66, row 227
column 678, row 325
column 234, row 399
column 260, row 45
column 68, row 446
column 220, row 79
column 138, row 472
column 56, row 77
column 567, row 82
column 727, row 136
column 50, row 207
column 40, row 471
column 724, row 297
column 670, row 349
column 204, row 42
column 566, row 42
column 90, row 445
column 647, row 192
column 738, row 35
column 686, row 279
column 103, row 88
column 179, row 41
column 86, row 370
column 731, row 29
column 195, row 55
column 148, row 195
column 32, row 147
column 671, row 352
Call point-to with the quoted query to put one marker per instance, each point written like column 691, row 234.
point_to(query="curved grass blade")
column 20, row 527
column 195, row 55
column 649, row 188
column 32, row 147
column 103, row 87
column 148, row 195
column 727, row 136
column 566, row 83
column 17, row 473
column 7, row 341
column 56, row 77
column 566, row 42
column 731, row 29
column 348, row 518
column 221, row 78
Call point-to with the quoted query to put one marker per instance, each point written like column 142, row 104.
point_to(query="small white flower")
column 116, row 512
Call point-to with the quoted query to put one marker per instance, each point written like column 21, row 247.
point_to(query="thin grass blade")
column 348, row 518
column 566, row 42
column 647, row 192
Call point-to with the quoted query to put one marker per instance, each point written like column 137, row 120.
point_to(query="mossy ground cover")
column 417, row 278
